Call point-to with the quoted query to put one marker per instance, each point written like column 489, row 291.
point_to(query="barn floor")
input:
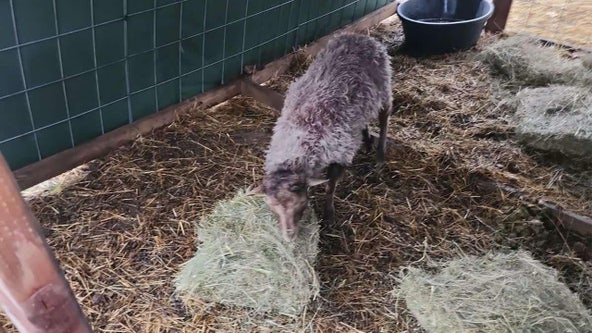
column 564, row 21
column 122, row 231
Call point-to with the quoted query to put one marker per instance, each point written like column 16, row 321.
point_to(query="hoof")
column 369, row 144
column 329, row 216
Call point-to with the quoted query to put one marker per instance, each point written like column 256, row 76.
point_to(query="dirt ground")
column 565, row 21
column 123, row 230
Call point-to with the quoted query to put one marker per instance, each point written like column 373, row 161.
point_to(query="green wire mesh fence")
column 72, row 70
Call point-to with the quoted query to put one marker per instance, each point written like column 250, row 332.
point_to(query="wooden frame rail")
column 33, row 291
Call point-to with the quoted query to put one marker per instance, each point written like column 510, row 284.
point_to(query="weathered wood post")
column 33, row 290
column 497, row 22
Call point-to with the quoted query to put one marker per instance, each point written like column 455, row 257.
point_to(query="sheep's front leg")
column 334, row 174
column 367, row 139
column 383, row 118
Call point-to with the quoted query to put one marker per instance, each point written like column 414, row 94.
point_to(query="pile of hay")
column 495, row 293
column 243, row 260
column 556, row 118
column 549, row 95
column 523, row 60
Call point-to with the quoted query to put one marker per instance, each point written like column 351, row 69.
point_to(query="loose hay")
column 522, row 60
column 244, row 261
column 495, row 293
column 556, row 118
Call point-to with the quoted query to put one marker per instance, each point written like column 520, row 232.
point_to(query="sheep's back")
column 349, row 80
column 327, row 107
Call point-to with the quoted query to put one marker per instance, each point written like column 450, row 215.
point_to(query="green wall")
column 71, row 70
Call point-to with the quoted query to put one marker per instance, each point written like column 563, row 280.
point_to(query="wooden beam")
column 568, row 219
column 264, row 95
column 59, row 163
column 501, row 12
column 33, row 291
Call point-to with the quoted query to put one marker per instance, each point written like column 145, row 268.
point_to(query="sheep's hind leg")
column 334, row 173
column 383, row 118
column 368, row 141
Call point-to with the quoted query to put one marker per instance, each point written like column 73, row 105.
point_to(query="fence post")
column 33, row 291
column 497, row 22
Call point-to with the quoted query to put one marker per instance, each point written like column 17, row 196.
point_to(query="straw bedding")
column 123, row 232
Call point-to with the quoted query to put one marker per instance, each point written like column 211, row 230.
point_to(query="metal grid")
column 563, row 21
column 304, row 21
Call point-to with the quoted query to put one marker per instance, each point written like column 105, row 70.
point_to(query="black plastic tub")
column 443, row 26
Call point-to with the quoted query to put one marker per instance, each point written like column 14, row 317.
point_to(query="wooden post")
column 497, row 22
column 33, row 291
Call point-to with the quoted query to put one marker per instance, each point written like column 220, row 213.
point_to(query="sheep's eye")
column 297, row 188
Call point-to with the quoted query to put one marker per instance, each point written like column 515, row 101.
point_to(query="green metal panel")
column 72, row 70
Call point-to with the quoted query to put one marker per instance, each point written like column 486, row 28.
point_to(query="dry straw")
column 496, row 293
column 244, row 261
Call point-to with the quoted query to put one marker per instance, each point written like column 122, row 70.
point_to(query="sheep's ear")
column 315, row 182
column 257, row 190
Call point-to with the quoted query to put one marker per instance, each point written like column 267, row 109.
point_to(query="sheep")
column 323, row 123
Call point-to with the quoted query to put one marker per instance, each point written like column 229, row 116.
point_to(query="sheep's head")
column 286, row 194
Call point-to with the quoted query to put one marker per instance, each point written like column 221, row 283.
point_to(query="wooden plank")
column 66, row 160
column 497, row 22
column 567, row 218
column 264, row 95
column 33, row 291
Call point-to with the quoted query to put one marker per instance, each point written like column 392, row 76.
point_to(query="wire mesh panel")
column 71, row 70
column 564, row 21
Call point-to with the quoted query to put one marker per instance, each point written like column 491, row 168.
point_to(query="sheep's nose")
column 290, row 235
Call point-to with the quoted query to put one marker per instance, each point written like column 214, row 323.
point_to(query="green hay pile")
column 496, row 293
column 243, row 260
column 523, row 61
column 556, row 118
